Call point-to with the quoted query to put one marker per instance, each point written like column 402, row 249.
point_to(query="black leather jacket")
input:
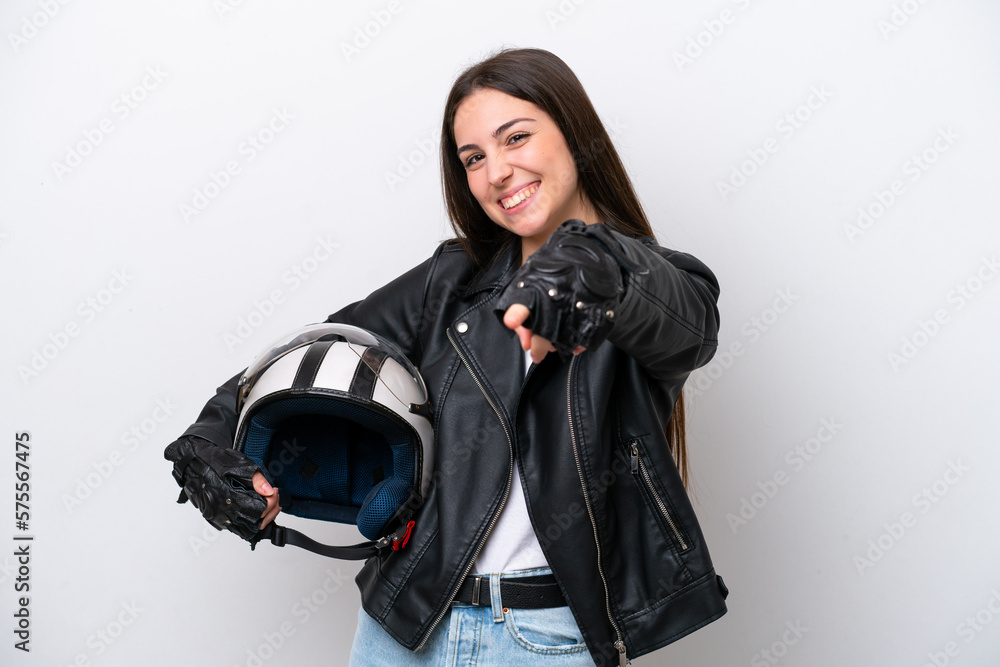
column 603, row 493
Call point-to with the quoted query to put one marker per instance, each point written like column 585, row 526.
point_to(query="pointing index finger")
column 515, row 315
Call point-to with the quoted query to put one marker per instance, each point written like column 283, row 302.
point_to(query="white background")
column 828, row 548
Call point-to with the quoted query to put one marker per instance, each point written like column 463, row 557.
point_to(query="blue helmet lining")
column 339, row 461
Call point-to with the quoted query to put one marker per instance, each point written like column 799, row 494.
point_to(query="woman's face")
column 518, row 165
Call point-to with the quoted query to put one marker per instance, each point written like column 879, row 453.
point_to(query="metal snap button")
column 462, row 327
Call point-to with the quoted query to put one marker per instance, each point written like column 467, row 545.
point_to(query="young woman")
column 557, row 530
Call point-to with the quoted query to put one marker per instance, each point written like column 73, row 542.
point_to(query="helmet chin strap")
column 279, row 536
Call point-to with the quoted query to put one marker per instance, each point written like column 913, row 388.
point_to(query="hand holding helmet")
column 220, row 483
column 270, row 495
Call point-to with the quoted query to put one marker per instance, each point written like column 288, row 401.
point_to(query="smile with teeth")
column 519, row 196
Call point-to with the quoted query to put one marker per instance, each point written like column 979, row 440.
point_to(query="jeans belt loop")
column 496, row 602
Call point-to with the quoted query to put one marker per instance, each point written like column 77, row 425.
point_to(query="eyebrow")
column 496, row 133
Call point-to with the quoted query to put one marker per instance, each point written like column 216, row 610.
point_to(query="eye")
column 472, row 160
column 518, row 137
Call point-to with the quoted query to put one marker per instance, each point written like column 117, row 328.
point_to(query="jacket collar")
column 498, row 273
column 490, row 349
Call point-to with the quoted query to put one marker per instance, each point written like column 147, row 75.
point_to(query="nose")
column 497, row 170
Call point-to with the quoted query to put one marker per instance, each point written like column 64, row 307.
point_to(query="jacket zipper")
column 638, row 466
column 503, row 501
column 619, row 644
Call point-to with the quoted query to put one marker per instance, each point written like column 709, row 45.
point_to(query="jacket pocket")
column 659, row 503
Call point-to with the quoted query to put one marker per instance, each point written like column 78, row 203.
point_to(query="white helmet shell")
column 338, row 417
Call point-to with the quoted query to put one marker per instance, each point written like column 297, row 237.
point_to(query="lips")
column 521, row 195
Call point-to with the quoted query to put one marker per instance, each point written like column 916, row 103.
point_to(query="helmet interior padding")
column 308, row 446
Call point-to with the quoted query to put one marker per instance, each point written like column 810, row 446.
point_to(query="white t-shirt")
column 512, row 544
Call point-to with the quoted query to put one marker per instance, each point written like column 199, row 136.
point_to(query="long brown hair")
column 540, row 77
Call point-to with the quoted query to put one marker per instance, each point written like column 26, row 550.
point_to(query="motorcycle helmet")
column 340, row 423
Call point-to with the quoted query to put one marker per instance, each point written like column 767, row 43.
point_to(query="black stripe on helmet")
column 366, row 373
column 305, row 376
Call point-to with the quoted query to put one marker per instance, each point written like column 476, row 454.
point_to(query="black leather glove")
column 219, row 482
column 572, row 285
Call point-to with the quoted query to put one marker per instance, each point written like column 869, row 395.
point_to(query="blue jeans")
column 482, row 636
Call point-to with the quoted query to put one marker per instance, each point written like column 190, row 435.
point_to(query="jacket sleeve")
column 669, row 318
column 394, row 311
